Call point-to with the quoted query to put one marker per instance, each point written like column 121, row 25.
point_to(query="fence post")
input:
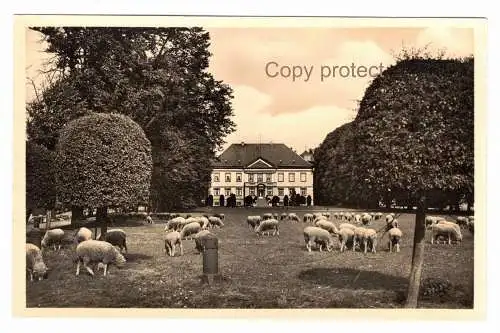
column 210, row 258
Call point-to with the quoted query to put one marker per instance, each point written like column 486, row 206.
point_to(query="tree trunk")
column 417, row 260
column 76, row 214
column 102, row 219
column 48, row 217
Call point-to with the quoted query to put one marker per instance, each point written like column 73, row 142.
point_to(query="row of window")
column 260, row 177
column 252, row 191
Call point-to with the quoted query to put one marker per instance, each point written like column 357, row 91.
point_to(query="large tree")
column 104, row 160
column 156, row 76
column 413, row 137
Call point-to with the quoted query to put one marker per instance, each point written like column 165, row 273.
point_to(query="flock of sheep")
column 352, row 231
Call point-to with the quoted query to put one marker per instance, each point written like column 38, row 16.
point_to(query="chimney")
column 242, row 143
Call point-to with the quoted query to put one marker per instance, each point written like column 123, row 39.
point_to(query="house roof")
column 259, row 155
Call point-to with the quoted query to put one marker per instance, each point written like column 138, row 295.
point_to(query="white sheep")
column 221, row 216
column 348, row 216
column 190, row 229
column 172, row 239
column 320, row 218
column 317, row 216
column 266, row 226
column 318, row 236
column 347, row 225
column 82, row 234
column 370, row 238
column 276, row 216
column 326, row 225
column 214, row 222
column 100, row 252
column 359, row 233
column 395, row 235
column 446, row 229
column 200, row 238
column 267, row 216
column 54, row 237
column 174, row 223
column 35, row 265
column 283, row 216
column 389, row 218
column 308, row 217
column 345, row 235
column 378, row 216
column 366, row 219
column 116, row 237
column 253, row 221
column 357, row 218
column 470, row 225
column 203, row 221
column 462, row 221
column 327, row 215
column 293, row 217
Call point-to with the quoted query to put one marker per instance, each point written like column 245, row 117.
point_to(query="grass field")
column 265, row 272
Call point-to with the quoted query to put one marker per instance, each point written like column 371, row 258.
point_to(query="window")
column 252, row 190
column 281, row 191
column 228, row 191
column 250, row 177
column 269, row 191
column 268, row 177
column 228, row 177
column 303, row 177
column 216, row 177
column 291, row 190
column 303, row 191
column 239, row 191
column 291, row 177
column 281, row 177
column 238, row 177
column 259, row 177
column 216, row 191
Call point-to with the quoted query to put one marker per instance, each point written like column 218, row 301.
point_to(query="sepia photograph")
column 258, row 163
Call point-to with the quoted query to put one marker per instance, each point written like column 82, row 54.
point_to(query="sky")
column 296, row 85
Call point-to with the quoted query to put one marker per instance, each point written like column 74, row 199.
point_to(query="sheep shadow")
column 353, row 279
column 134, row 257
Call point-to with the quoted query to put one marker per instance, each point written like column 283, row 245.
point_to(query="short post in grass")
column 210, row 259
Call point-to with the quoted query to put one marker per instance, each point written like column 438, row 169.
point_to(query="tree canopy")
column 157, row 77
column 104, row 160
column 40, row 177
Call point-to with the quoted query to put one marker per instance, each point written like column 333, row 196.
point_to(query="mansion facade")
column 260, row 169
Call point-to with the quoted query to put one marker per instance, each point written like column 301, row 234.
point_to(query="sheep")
column 308, row 217
column 203, row 222
column 320, row 218
column 190, row 220
column 347, row 225
column 82, row 234
column 359, row 233
column 357, row 218
column 395, row 235
column 54, row 237
column 174, row 223
column 149, row 219
column 220, row 215
column 35, row 265
column 470, row 225
column 366, row 219
column 445, row 228
column 116, row 237
column 327, row 215
column 293, row 217
column 276, row 216
column 215, row 221
column 190, row 229
column 370, row 238
column 253, row 221
column 267, row 216
column 317, row 216
column 96, row 251
column 462, row 221
column 430, row 220
column 172, row 239
column 348, row 216
column 395, row 223
column 327, row 225
column 389, row 218
column 318, row 236
column 283, row 216
column 378, row 216
column 200, row 238
column 345, row 235
column 266, row 226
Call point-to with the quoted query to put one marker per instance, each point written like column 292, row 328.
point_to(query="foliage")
column 157, row 77
column 104, row 160
column 40, row 177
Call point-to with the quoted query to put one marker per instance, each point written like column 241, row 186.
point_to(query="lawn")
column 258, row 272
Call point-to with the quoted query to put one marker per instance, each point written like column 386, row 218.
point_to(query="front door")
column 261, row 190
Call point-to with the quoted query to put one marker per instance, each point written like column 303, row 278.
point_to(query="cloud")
column 455, row 42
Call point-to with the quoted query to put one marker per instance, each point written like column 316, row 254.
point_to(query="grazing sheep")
column 366, row 219
column 359, row 233
column 203, row 222
column 317, row 216
column 470, row 225
column 327, row 225
column 116, row 237
column 283, row 216
column 276, row 216
column 462, row 221
column 221, row 216
column 215, row 221
column 395, row 235
column 200, row 239
column 267, row 216
column 349, row 216
column 293, row 217
column 54, row 237
column 357, row 218
column 190, row 229
column 447, row 229
column 190, row 220
column 319, row 237
column 347, row 225
column 308, row 217
column 82, row 234
column 149, row 219
column 327, row 215
column 174, row 223
column 266, row 226
column 370, row 238
column 378, row 216
column 430, row 220
column 320, row 218
column 34, row 262
column 253, row 221
column 389, row 218
column 100, row 252
column 395, row 223
column 172, row 239
column 345, row 235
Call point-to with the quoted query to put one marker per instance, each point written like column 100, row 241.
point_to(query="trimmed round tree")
column 104, row 160
column 40, row 177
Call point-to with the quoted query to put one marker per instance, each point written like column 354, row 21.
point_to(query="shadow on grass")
column 353, row 278
column 133, row 257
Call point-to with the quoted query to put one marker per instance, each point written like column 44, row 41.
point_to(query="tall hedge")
column 104, row 160
column 40, row 177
